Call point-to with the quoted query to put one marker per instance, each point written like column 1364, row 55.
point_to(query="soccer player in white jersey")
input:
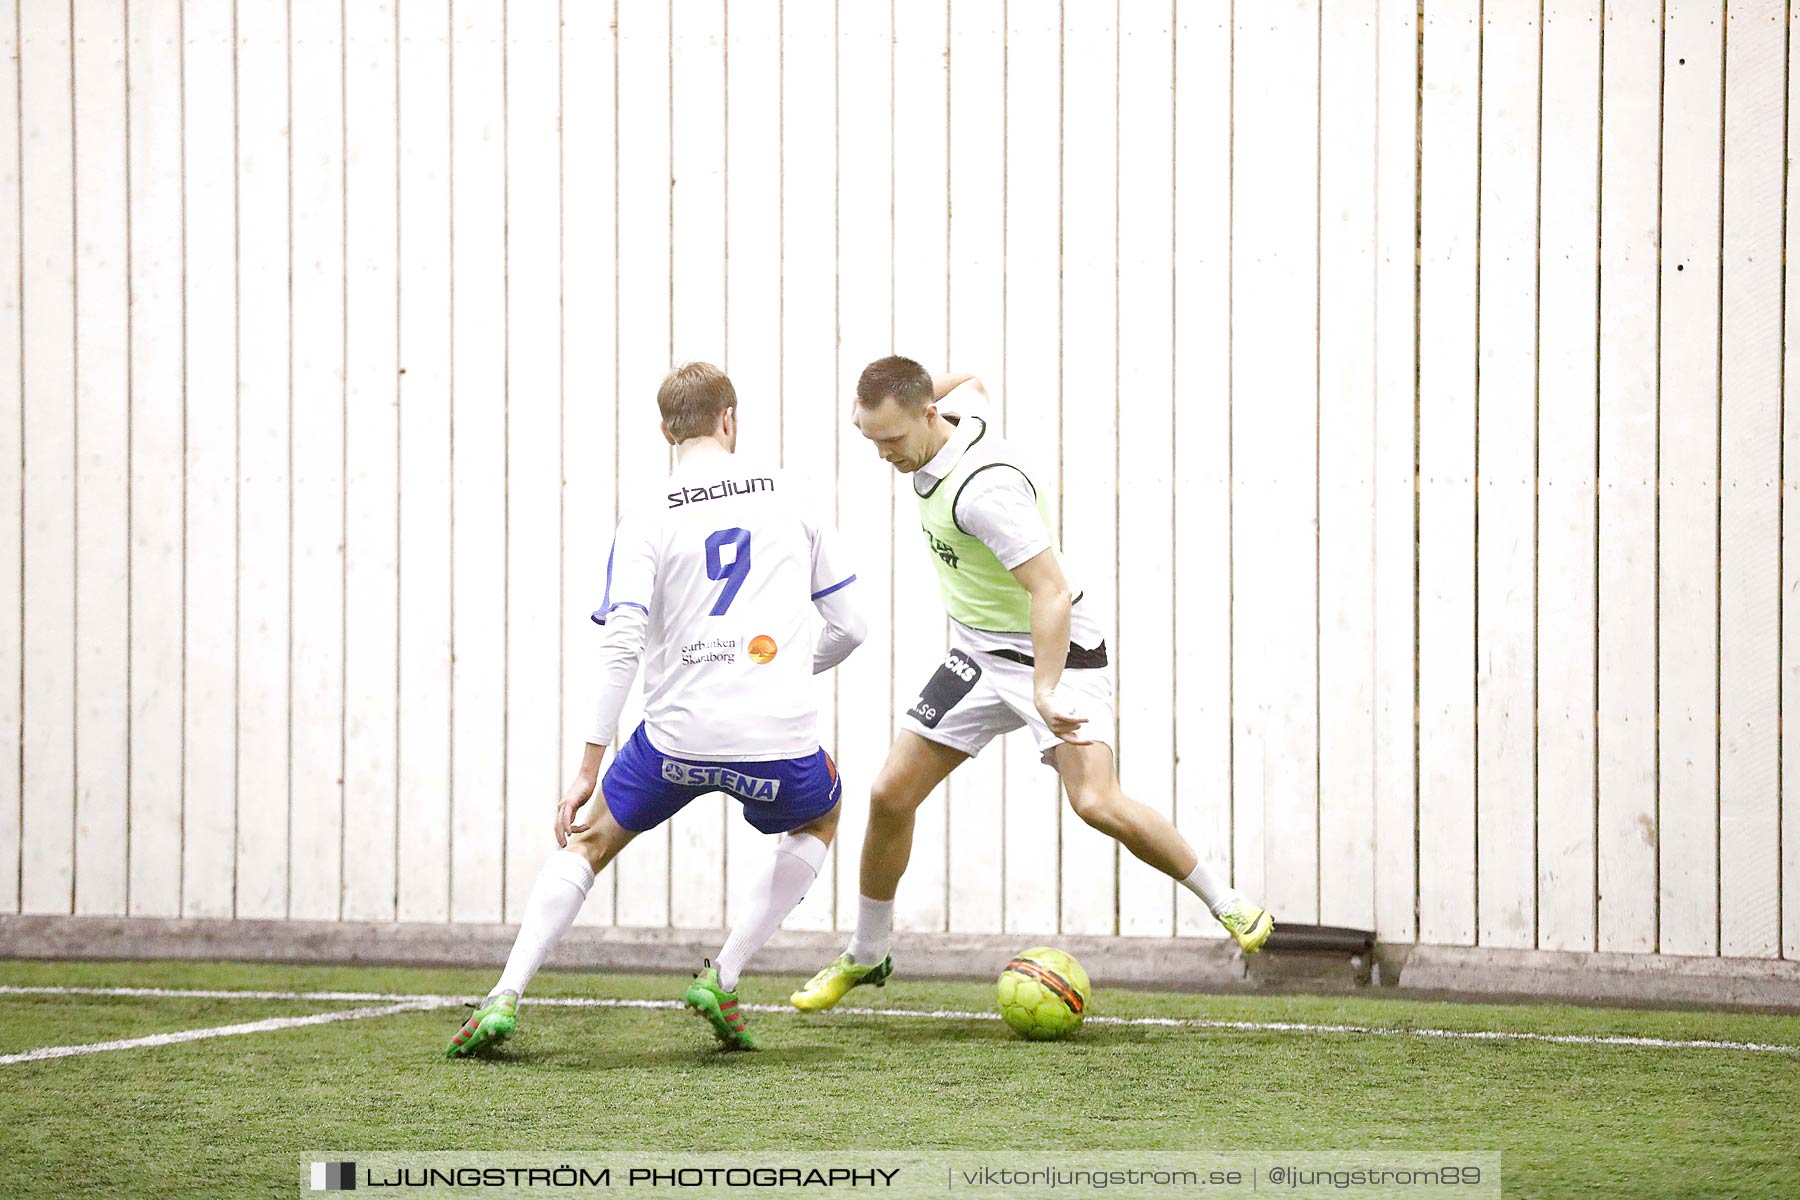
column 1025, row 653
column 711, row 583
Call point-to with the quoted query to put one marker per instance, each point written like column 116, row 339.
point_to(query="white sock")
column 1213, row 891
column 561, row 889
column 874, row 935
column 798, row 857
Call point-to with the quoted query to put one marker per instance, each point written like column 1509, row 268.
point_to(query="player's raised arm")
column 943, row 385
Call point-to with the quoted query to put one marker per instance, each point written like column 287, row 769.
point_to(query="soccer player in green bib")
column 1025, row 653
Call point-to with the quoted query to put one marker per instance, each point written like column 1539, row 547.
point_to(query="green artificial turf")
column 233, row 1116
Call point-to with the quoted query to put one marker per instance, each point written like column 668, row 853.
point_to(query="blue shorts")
column 644, row 787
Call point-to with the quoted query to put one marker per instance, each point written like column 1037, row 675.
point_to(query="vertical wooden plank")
column 921, row 201
column 809, row 409
column 1145, row 631
column 1035, row 815
column 372, row 483
column 1447, row 317
column 264, row 502
column 321, row 203
column 209, row 835
column 697, row 143
column 1750, row 476
column 1201, row 427
column 1274, row 452
column 644, row 333
column 1567, row 423
column 753, row 354
column 103, row 469
column 867, row 487
column 264, row 449
column 1506, row 484
column 697, row 856
column 1631, row 88
column 153, row 83
column 478, row 463
column 1688, row 420
column 47, row 873
column 12, row 450
column 1790, row 560
column 976, row 341
column 421, row 888
column 533, row 444
column 1347, row 248
column 588, row 354
column 1396, row 410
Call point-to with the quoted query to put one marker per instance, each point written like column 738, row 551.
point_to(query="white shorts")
column 976, row 695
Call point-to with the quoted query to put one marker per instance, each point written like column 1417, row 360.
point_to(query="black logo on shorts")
column 953, row 680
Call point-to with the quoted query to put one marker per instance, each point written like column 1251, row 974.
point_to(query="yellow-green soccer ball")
column 1043, row 994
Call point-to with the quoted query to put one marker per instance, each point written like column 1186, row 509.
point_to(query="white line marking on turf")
column 195, row 1035
column 403, row 1001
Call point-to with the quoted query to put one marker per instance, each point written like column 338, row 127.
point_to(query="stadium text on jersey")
column 729, row 487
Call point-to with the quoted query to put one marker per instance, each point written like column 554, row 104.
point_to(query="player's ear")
column 728, row 423
column 667, row 436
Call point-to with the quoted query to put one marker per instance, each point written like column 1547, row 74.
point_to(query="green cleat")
column 705, row 998
column 826, row 988
column 1250, row 925
column 492, row 1023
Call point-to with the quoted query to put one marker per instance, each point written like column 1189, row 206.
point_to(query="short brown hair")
column 691, row 398
column 902, row 378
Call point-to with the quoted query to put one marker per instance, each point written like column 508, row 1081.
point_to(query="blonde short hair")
column 692, row 397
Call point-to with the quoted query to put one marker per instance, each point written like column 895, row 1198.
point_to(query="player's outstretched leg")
column 913, row 768
column 792, row 870
column 561, row 889
column 1095, row 795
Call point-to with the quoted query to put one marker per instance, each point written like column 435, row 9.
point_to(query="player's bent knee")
column 601, row 842
column 1101, row 808
column 892, row 798
column 823, row 827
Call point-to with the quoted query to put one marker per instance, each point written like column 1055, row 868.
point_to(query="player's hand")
column 576, row 796
column 1060, row 713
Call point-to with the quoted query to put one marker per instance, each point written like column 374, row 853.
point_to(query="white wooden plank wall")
column 103, row 473
column 158, row 470
column 1568, row 291
column 319, row 57
column 1506, row 455
column 1447, row 543
column 12, row 450
column 1449, row 231
column 375, row 399
column 1392, row 656
column 1630, row 140
column 419, row 888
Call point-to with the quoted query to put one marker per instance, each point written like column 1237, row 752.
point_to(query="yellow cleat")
column 826, row 988
column 1250, row 925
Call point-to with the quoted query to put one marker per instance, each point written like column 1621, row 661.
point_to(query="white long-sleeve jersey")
column 712, row 585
